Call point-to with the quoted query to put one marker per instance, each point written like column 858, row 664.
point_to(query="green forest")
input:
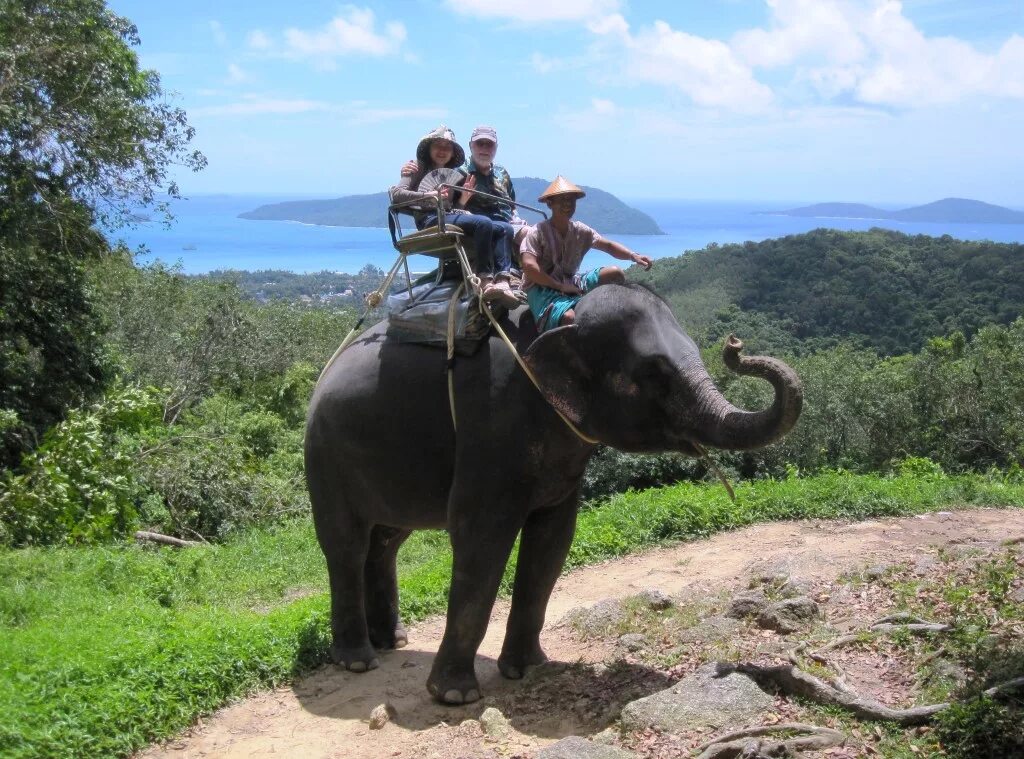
column 135, row 397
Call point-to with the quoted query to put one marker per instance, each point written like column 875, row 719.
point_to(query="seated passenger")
column 487, row 176
column 438, row 149
column 553, row 251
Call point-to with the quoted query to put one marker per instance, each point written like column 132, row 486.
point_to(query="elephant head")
column 626, row 374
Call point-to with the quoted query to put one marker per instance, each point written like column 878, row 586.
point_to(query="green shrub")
column 80, row 484
column 982, row 728
column 221, row 468
column 610, row 471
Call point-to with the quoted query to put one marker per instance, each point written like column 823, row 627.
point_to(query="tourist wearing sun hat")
column 553, row 251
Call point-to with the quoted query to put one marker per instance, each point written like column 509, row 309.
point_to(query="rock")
column 699, row 701
column 606, row 737
column 381, row 715
column 575, row 747
column 770, row 573
column 596, row 619
column 924, row 565
column 494, row 723
column 710, row 630
column 788, row 615
column 1017, row 596
column 654, row 599
column 795, row 586
column 633, row 641
column 876, row 572
column 944, row 669
column 747, row 604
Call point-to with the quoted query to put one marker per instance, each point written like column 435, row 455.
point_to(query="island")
column 946, row 211
column 601, row 210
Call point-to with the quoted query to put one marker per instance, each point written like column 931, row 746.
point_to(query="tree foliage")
column 86, row 137
column 78, row 117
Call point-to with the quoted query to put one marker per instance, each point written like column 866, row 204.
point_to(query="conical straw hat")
column 561, row 186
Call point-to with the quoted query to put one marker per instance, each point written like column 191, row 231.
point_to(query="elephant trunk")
column 731, row 428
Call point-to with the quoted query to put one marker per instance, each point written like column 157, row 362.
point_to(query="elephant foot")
column 450, row 689
column 513, row 664
column 360, row 659
column 385, row 641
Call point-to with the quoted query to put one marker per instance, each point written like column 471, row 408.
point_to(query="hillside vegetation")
column 880, row 289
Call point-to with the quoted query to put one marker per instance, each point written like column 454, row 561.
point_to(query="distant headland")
column 946, row 211
column 600, row 209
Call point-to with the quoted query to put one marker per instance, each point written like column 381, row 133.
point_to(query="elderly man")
column 553, row 251
column 486, row 176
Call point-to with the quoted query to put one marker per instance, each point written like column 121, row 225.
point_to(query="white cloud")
column 705, row 70
column 236, row 75
column 254, row 105
column 218, row 33
column 353, row 32
column 356, row 112
column 542, row 64
column 258, row 40
column 535, row 10
column 811, row 53
column 870, row 52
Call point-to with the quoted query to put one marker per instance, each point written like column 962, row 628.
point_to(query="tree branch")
column 156, row 537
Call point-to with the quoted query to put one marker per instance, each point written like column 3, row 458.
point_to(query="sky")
column 803, row 100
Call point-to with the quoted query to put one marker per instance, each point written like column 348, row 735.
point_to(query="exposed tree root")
column 887, row 624
column 997, row 690
column 791, row 680
column 908, row 622
column 738, row 743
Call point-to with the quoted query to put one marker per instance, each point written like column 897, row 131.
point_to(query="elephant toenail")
column 374, row 663
column 357, row 666
column 401, row 642
column 453, row 696
column 473, row 695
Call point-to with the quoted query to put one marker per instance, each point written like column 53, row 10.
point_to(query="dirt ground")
column 326, row 714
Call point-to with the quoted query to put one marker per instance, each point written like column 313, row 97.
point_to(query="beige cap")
column 561, row 186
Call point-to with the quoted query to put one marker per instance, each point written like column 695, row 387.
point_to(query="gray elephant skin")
column 383, row 458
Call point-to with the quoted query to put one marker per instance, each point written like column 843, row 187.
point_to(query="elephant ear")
column 562, row 371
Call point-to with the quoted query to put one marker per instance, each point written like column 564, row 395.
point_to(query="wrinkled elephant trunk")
column 734, row 429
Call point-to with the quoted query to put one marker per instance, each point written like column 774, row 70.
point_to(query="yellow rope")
column 373, row 300
column 533, row 378
column 452, row 310
column 718, row 472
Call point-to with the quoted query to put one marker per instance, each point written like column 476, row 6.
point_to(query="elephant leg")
column 380, row 579
column 482, row 537
column 345, row 543
column 543, row 547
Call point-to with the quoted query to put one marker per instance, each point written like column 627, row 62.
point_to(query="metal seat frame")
column 443, row 241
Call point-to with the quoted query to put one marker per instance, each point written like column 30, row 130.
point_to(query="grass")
column 103, row 650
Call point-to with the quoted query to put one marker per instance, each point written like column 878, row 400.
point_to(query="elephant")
column 385, row 455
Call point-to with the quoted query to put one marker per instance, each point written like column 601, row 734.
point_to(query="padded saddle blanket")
column 422, row 317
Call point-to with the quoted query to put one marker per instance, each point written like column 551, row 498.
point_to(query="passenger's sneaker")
column 500, row 292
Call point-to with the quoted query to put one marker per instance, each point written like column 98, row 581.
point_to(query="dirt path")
column 326, row 713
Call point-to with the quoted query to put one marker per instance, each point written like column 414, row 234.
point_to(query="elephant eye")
column 653, row 374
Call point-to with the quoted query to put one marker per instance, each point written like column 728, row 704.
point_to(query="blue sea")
column 208, row 235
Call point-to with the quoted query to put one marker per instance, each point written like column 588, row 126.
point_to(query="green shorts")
column 549, row 306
